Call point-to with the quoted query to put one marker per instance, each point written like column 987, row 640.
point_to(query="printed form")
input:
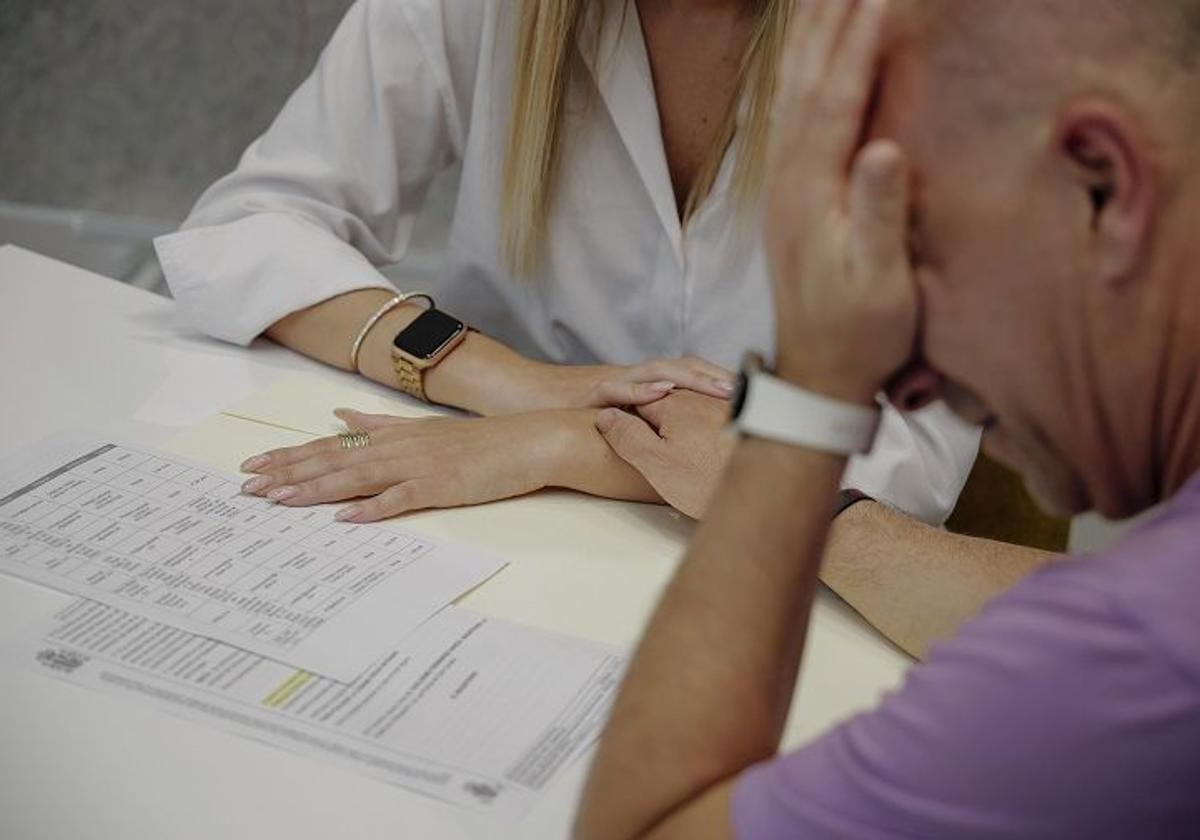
column 474, row 711
column 178, row 543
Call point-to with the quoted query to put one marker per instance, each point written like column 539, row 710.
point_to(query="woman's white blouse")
column 407, row 88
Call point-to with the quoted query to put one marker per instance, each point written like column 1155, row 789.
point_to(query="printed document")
column 472, row 710
column 178, row 543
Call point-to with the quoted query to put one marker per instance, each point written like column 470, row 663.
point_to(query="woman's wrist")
column 480, row 375
column 541, row 386
column 574, row 456
column 490, row 379
column 556, row 437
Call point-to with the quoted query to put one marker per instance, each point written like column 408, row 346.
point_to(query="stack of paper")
column 179, row 543
column 478, row 712
column 281, row 624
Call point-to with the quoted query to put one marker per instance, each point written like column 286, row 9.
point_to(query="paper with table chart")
column 475, row 711
column 177, row 542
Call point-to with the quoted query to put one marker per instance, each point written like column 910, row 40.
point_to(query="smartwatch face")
column 430, row 332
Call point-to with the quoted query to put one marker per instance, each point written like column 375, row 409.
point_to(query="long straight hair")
column 546, row 34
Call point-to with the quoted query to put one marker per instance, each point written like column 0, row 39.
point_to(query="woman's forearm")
column 481, row 375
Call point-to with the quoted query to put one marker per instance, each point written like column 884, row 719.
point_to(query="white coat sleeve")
column 331, row 190
column 919, row 463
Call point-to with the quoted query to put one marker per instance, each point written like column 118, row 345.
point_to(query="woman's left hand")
column 412, row 464
column 549, row 386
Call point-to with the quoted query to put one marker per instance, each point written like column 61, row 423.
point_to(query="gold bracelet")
column 374, row 319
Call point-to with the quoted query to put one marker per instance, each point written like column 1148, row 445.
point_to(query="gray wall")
column 134, row 106
column 118, row 113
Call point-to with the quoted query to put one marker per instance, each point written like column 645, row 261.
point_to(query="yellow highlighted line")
column 286, row 689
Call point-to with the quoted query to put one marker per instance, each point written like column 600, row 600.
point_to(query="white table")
column 79, row 349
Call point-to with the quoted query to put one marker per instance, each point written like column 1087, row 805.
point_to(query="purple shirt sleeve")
column 1066, row 709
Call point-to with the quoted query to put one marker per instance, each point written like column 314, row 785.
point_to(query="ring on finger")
column 354, row 440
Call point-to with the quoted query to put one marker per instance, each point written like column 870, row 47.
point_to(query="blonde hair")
column 546, row 34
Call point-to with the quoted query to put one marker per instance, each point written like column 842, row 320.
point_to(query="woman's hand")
column 679, row 444
column 598, row 386
column 413, row 464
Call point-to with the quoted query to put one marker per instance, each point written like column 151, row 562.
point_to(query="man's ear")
column 1110, row 163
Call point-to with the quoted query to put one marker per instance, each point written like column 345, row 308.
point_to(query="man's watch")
column 767, row 407
column 431, row 337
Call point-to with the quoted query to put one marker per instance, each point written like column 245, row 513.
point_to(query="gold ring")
column 354, row 440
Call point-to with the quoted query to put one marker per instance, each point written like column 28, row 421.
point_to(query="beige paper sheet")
column 572, row 558
column 305, row 402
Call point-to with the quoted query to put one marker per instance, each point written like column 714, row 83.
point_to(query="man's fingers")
column 826, row 79
column 879, row 211
column 631, row 438
column 828, row 21
column 788, row 73
column 654, row 413
column 845, row 90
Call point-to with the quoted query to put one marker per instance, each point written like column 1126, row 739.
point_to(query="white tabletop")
column 82, row 350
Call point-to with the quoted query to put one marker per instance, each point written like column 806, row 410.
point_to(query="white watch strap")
column 779, row 411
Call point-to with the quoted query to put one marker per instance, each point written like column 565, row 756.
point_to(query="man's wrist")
column 839, row 386
column 792, row 463
column 782, row 483
column 771, row 407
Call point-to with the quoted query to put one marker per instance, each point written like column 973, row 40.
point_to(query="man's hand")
column 837, row 216
column 679, row 444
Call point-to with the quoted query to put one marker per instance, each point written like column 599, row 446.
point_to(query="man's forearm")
column 727, row 635
column 917, row 584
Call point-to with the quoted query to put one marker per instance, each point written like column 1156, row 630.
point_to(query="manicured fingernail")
column 255, row 463
column 724, row 386
column 662, row 387
column 254, row 485
column 348, row 513
column 281, row 494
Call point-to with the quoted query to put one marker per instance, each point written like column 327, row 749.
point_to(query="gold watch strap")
column 409, row 378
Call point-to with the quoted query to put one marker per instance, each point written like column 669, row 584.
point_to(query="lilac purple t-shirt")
column 1069, row 708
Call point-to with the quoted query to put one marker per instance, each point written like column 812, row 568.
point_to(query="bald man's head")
column 1162, row 28
column 1057, row 185
column 1014, row 54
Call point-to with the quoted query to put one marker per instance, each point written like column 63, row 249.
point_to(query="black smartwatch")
column 431, row 337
